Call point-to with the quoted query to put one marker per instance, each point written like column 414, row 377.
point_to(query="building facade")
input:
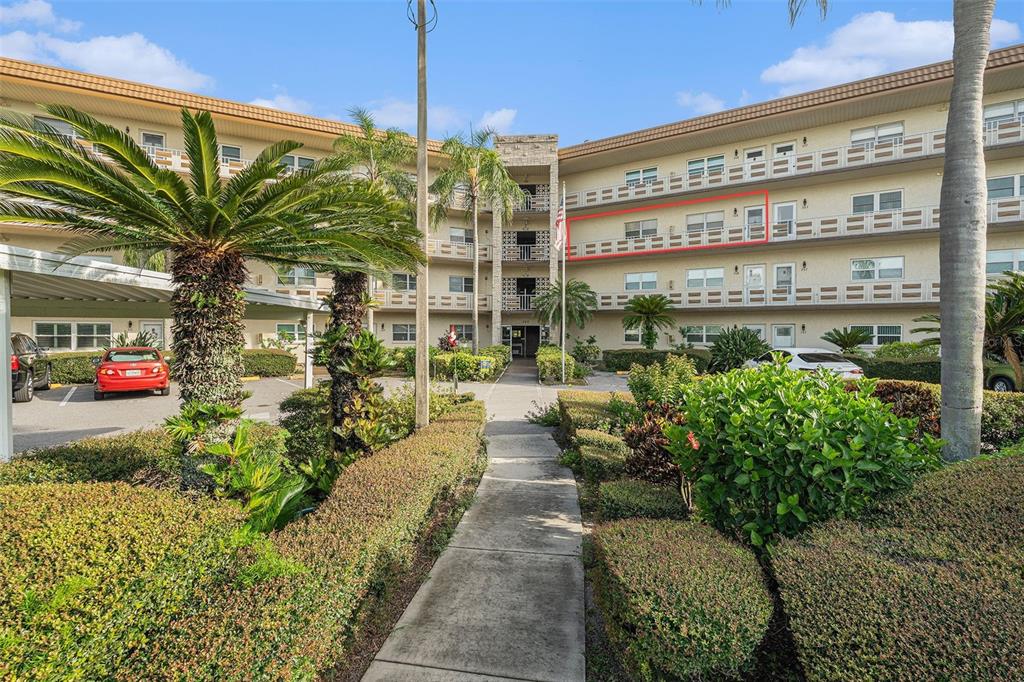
column 790, row 217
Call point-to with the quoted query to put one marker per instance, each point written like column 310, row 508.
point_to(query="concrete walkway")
column 505, row 599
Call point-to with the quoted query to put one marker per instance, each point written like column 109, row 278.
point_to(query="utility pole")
column 422, row 379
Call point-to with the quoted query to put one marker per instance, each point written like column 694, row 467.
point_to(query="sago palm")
column 111, row 195
column 648, row 313
column 847, row 339
column 580, row 303
column 475, row 173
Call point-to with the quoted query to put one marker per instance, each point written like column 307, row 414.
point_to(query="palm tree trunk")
column 962, row 235
column 422, row 380
column 347, row 310
column 207, row 307
column 1010, row 352
column 476, row 272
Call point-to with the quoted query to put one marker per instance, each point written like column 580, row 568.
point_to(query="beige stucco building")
column 790, row 217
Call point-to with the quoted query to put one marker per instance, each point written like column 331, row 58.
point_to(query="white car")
column 810, row 359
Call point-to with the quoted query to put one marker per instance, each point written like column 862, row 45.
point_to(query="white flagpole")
column 563, row 247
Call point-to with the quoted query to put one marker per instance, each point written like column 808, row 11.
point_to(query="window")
column 294, row 163
column 881, row 333
column 631, row 336
column 703, row 333
column 460, row 235
column 995, row 114
column 879, row 201
column 230, row 153
column 877, row 268
column 291, row 331
column 703, row 222
column 890, row 133
column 704, row 278
column 92, row 334
column 1000, row 188
column 55, row 335
column 753, row 155
column 636, row 281
column 154, row 140
column 707, row 166
column 757, row 329
column 641, row 176
column 401, row 281
column 783, row 149
column 403, row 332
column 458, row 284
column 296, row 277
column 998, row 262
column 464, row 332
column 99, row 259
column 638, row 229
column 45, row 124
column 72, row 335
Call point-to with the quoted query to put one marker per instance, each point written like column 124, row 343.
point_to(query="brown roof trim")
column 104, row 85
column 1007, row 56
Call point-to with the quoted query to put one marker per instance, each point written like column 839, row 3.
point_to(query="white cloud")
column 38, row 13
column 500, row 120
column 745, row 98
column 871, row 44
column 284, row 102
column 699, row 103
column 399, row 113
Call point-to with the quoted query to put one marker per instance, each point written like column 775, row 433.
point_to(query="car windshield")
column 822, row 357
column 132, row 356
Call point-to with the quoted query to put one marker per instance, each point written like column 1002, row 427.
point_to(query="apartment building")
column 789, row 217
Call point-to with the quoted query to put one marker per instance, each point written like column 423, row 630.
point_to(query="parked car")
column 131, row 369
column 999, row 376
column 810, row 359
column 30, row 367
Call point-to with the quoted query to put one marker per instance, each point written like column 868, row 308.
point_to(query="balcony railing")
column 406, row 300
column 911, row 146
column 535, row 202
column 525, row 252
column 518, row 302
column 854, row 293
column 437, row 248
column 1006, row 210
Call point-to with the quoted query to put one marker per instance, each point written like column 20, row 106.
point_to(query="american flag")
column 560, row 226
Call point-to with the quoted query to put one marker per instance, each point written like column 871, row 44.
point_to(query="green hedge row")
column 929, row 587
column 549, row 366
column 77, row 367
column 680, row 601
column 587, row 410
column 628, row 498
column 622, row 360
column 405, row 357
column 926, row 369
column 597, row 464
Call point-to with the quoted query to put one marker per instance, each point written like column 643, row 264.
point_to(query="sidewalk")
column 505, row 599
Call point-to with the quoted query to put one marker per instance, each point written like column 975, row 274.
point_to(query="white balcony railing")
column 538, row 202
column 911, row 146
column 525, row 252
column 1008, row 210
column 518, row 302
column 853, row 293
column 437, row 248
column 406, row 300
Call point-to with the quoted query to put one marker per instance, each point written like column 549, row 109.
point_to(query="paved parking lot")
column 63, row 414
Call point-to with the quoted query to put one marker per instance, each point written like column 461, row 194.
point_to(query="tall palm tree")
column 120, row 199
column 580, row 303
column 648, row 313
column 475, row 174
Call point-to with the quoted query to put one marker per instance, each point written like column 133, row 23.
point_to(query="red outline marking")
column 672, row 249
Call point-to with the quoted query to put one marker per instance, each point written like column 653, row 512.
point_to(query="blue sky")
column 581, row 69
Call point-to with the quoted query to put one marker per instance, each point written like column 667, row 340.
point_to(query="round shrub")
column 679, row 600
column 660, row 382
column 648, row 460
column 735, row 346
column 770, row 450
column 549, row 366
column 928, row 587
column 626, row 498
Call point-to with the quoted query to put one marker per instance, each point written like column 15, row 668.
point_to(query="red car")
column 132, row 369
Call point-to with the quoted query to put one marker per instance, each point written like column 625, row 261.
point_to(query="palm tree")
column 846, row 338
column 648, row 313
column 422, row 311
column 580, row 303
column 475, row 171
column 123, row 200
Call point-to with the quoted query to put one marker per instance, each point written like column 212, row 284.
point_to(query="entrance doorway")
column 523, row 339
column 155, row 329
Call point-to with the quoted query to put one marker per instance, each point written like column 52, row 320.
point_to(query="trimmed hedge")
column 587, row 410
column 90, row 572
column 503, row 354
column 267, row 362
column 470, row 367
column 601, row 465
column 627, row 498
column 679, row 600
column 621, row 360
column 73, row 368
column 601, row 440
column 927, row 369
column 549, row 366
column 77, row 368
column 930, row 587
column 298, row 624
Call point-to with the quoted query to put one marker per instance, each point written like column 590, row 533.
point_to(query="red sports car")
column 132, row 369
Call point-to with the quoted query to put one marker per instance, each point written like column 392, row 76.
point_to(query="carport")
column 42, row 284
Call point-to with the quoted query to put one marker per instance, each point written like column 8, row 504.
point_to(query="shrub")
column 267, row 362
column 77, row 367
column 928, row 587
column 587, row 410
column 648, row 460
column 906, row 350
column 600, row 465
column 1002, row 420
column 925, row 369
column 73, row 368
column 587, row 353
column 776, row 449
column 622, row 360
column 549, row 366
column 306, row 415
column 735, row 346
column 660, row 382
column 470, row 367
column 601, row 440
column 848, row 339
column 678, row 599
column 91, row 572
column 501, row 354
column 627, row 498
column 545, row 415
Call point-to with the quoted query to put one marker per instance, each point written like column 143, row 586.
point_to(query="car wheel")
column 1002, row 384
column 97, row 395
column 165, row 391
column 45, row 385
column 27, row 390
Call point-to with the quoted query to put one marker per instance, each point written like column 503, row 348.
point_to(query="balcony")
column 525, row 252
column 1009, row 210
column 406, row 300
column 853, row 293
column 535, row 203
column 517, row 303
column 437, row 248
column 910, row 146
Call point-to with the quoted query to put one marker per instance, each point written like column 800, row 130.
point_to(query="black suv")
column 30, row 368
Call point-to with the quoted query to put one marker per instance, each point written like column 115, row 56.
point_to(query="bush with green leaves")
column 628, row 498
column 500, row 353
column 268, row 362
column 770, row 450
column 549, row 366
column 587, row 353
column 660, row 382
column 622, row 360
column 913, row 369
column 647, row 459
column 597, row 464
column 589, row 410
column 929, row 586
column 469, row 367
column 735, row 346
column 906, row 350
column 679, row 600
column 848, row 339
